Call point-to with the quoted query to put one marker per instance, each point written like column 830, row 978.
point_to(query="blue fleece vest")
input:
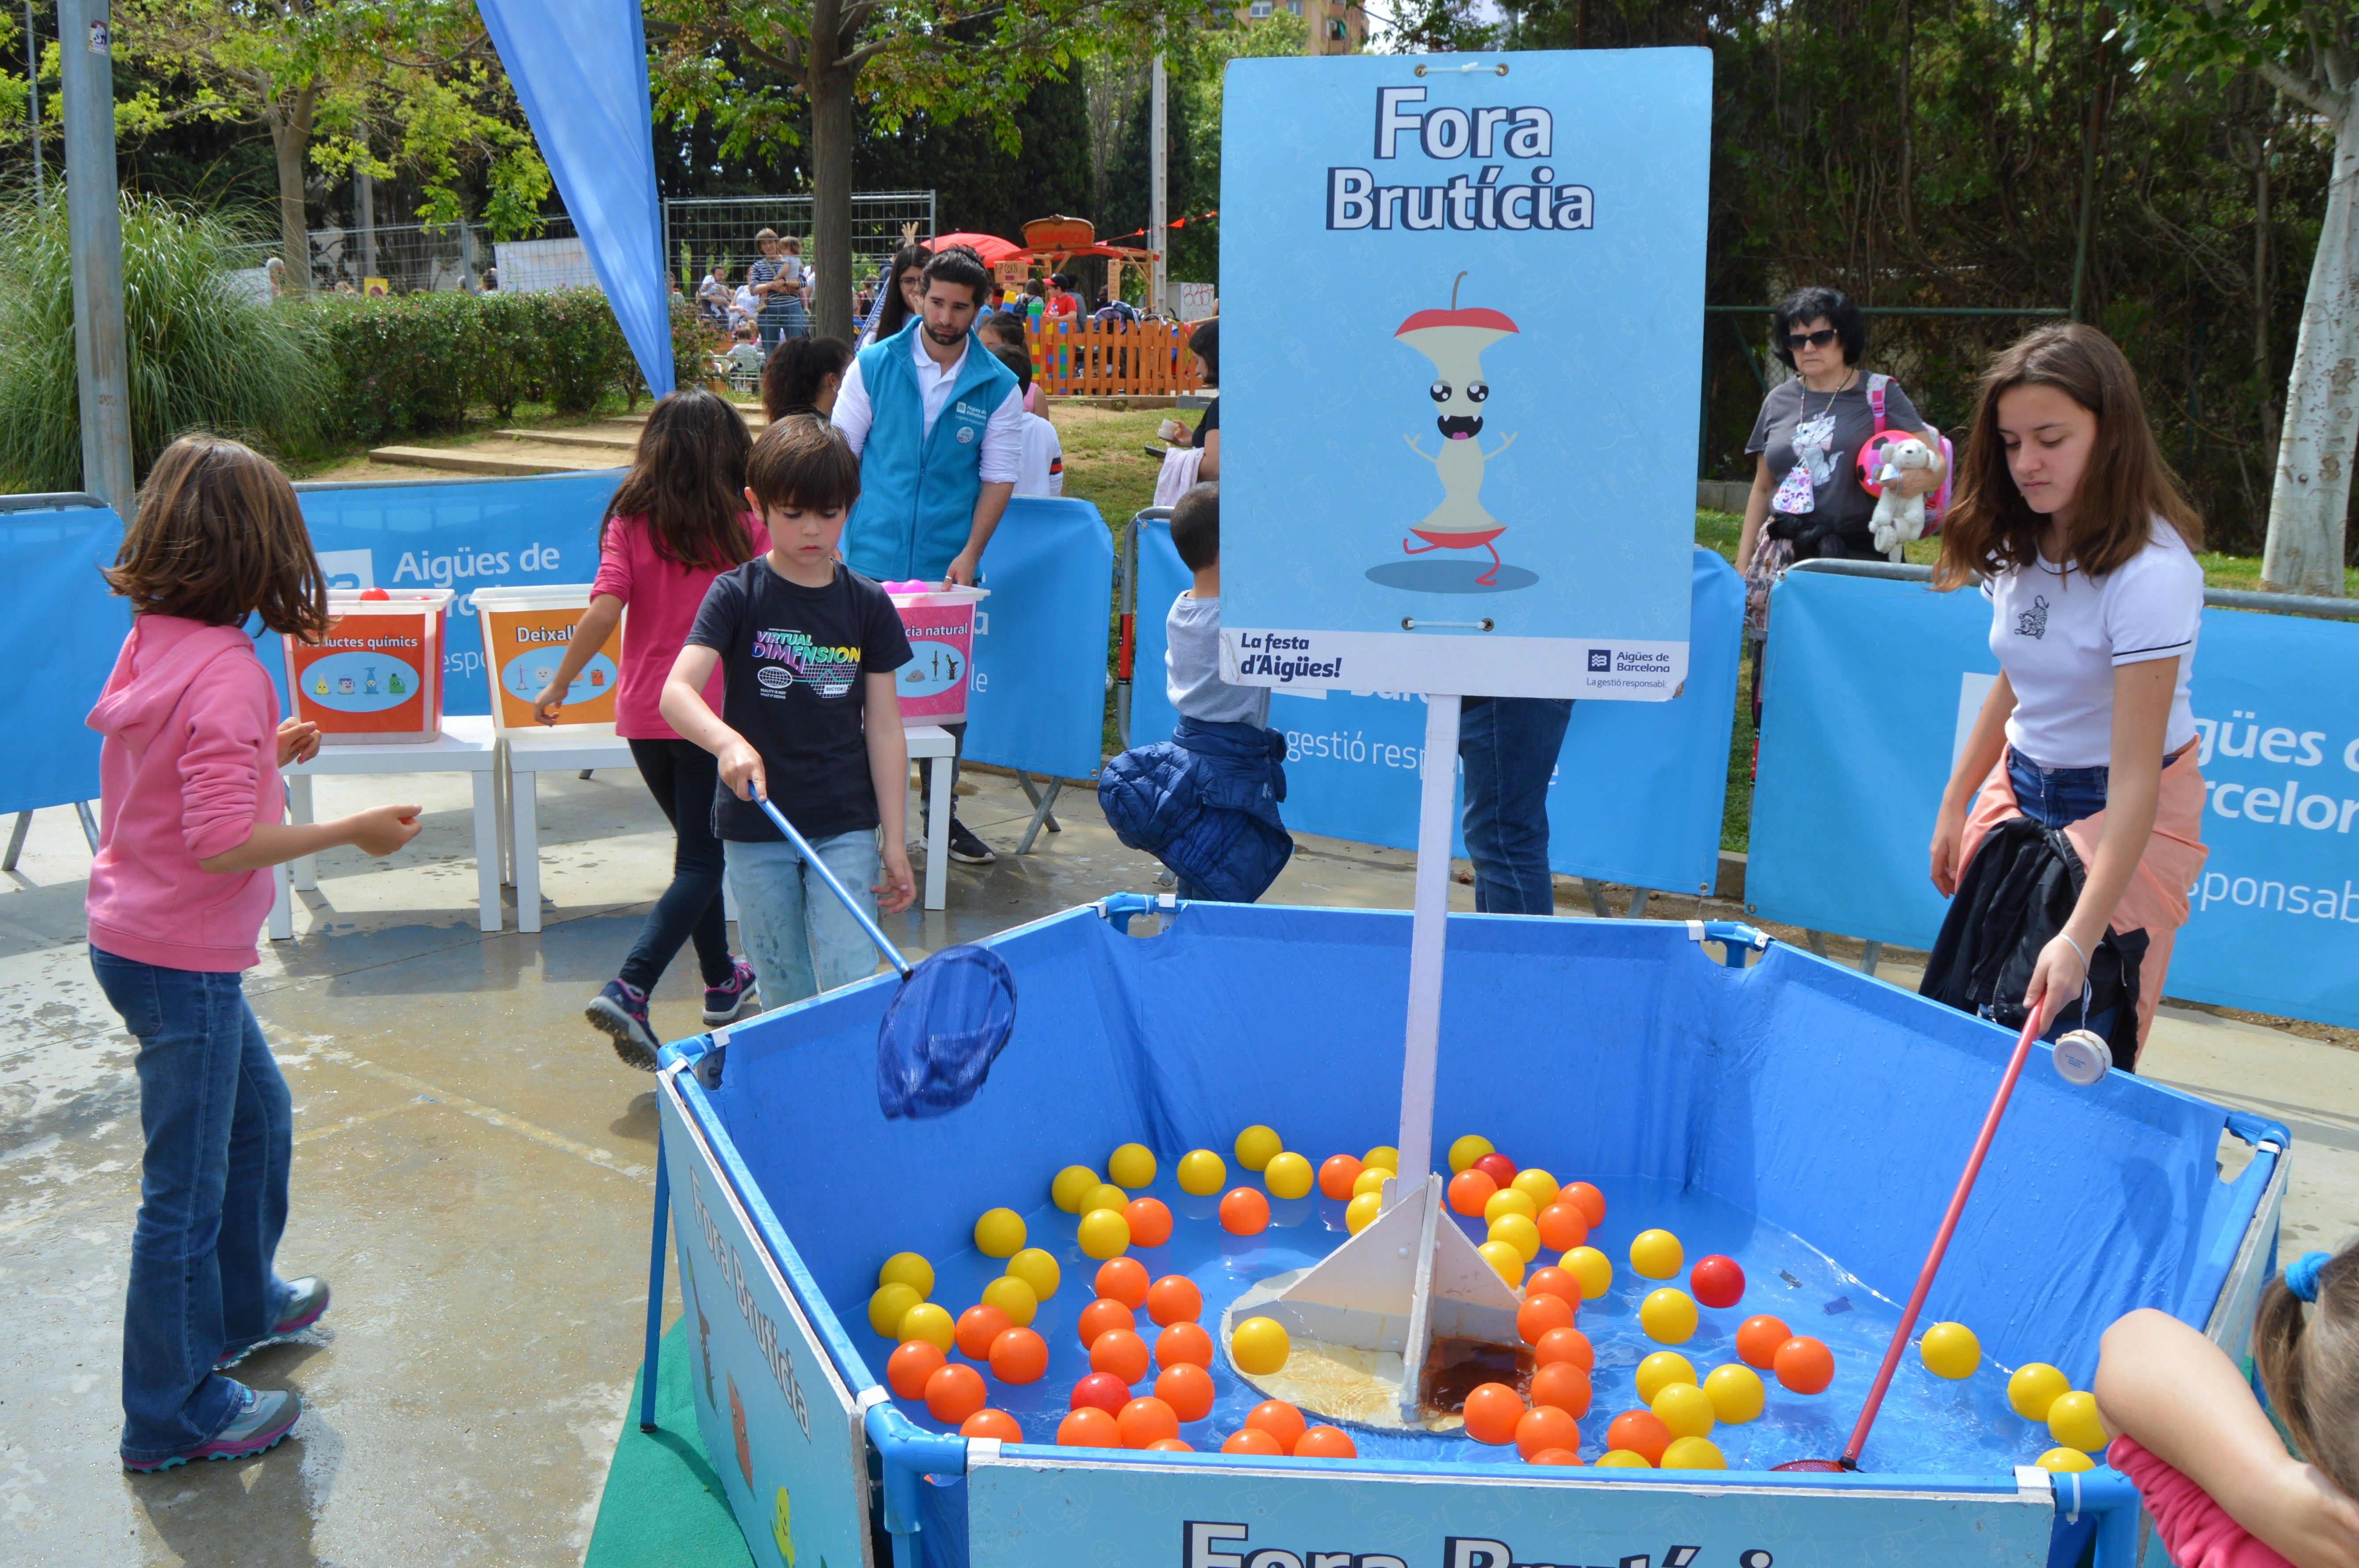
column 917, row 490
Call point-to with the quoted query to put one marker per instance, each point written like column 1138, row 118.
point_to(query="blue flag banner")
column 1638, row 789
column 57, row 647
column 1039, row 702
column 1871, row 685
column 580, row 71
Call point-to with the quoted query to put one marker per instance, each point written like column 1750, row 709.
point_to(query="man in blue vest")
column 938, row 424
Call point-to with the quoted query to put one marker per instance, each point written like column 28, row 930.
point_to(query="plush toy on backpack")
column 1874, row 460
column 1899, row 518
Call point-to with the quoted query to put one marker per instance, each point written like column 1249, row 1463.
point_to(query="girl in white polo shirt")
column 2085, row 547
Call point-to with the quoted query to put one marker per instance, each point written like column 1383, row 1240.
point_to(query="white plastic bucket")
column 375, row 674
column 526, row 632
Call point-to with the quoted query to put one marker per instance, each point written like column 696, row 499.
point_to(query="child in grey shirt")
column 1191, row 657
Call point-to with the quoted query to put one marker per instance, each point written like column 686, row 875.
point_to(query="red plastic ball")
column 978, row 1328
column 1146, row 1420
column 1758, row 1339
column 1183, row 1342
column 1122, row 1353
column 1564, row 1385
column 1565, row 1345
column 1555, row 1456
column 992, row 1423
column 1100, row 1315
column 1805, row 1366
column 954, row 1393
column 1469, row 1190
column 1174, row 1298
column 1336, row 1176
column 1150, row 1221
column 1587, row 1199
column 1019, row 1356
column 1100, row 1391
column 1188, row 1389
column 1641, row 1433
column 1492, row 1411
column 1717, row 1282
column 1497, row 1166
column 1089, row 1427
column 1553, row 1282
column 1539, row 1313
column 1325, row 1442
column 1123, row 1280
column 1244, row 1211
column 1251, row 1440
column 1544, row 1427
column 1563, row 1227
column 912, row 1362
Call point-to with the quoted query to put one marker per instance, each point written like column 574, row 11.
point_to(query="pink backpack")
column 1871, row 459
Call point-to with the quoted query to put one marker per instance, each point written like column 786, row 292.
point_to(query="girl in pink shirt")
column 676, row 521
column 190, row 823
column 2203, row 1455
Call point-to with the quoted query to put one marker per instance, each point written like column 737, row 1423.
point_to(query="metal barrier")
column 2217, row 598
column 1126, row 607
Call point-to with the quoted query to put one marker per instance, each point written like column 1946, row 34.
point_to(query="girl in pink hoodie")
column 190, row 824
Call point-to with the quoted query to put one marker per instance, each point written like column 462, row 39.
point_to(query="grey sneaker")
column 265, row 1416
column 307, row 1299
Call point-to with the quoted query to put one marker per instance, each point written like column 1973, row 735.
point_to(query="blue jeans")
column 213, row 1198
column 2055, row 796
column 798, row 935
column 1509, row 745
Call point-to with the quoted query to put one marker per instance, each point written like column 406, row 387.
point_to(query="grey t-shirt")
column 1192, row 666
column 1826, row 432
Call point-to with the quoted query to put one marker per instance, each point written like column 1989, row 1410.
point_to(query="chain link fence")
column 702, row 231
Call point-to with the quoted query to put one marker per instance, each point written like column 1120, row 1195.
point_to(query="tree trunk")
column 290, row 138
column 829, row 90
column 2312, row 492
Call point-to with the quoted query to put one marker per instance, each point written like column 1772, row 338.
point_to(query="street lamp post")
column 94, row 234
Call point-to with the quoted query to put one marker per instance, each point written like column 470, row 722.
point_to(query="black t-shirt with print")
column 791, row 663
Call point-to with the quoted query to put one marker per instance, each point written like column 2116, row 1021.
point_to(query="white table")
column 466, row 746
column 529, row 756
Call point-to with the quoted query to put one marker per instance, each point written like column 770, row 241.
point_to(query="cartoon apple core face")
column 1454, row 341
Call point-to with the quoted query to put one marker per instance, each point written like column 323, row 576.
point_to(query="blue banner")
column 1638, row 794
column 57, row 647
column 1039, row 702
column 1870, row 687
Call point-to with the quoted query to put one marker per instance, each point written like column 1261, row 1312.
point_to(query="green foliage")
column 203, row 352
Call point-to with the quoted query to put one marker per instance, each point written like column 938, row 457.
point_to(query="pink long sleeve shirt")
column 664, row 598
column 2195, row 1530
column 190, row 763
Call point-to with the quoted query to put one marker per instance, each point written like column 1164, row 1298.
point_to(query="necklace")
column 1832, row 393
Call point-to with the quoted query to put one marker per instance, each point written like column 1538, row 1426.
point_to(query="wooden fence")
column 1112, row 359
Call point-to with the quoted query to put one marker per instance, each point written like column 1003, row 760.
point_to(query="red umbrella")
column 990, row 247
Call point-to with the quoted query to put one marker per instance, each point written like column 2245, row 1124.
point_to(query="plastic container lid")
column 2083, row 1057
column 534, row 596
column 918, row 592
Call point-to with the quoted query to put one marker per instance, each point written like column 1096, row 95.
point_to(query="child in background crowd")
column 1041, row 470
column 2213, row 1473
column 809, row 718
column 803, row 377
column 191, row 819
column 1005, row 329
column 676, row 522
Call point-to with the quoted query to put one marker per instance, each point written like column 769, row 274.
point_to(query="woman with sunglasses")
column 1807, row 501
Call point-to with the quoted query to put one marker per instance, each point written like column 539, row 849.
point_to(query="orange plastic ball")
column 1089, row 1427
column 1326, row 1442
column 1563, row 1227
column 1493, row 1411
column 1281, row 1421
column 1174, row 1298
column 1123, row 1280
column 1553, row 1282
column 1804, row 1365
column 1188, row 1389
column 978, row 1328
column 1470, row 1189
column 1539, row 1313
column 1146, row 1420
column 1337, row 1174
column 1244, row 1211
column 1171, row 1445
column 912, row 1362
column 1565, row 1345
column 1122, row 1353
column 1019, row 1356
column 1564, row 1386
column 1758, row 1339
column 1251, row 1440
column 1100, row 1315
column 954, row 1393
column 1150, row 1221
column 992, row 1423
column 1586, row 1198
column 1184, row 1343
column 1641, row 1433
column 1544, row 1427
column 1555, row 1456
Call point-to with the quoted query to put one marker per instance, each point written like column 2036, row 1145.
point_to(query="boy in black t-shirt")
column 808, row 717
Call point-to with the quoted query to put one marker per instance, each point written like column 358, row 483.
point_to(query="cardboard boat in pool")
column 1761, row 1103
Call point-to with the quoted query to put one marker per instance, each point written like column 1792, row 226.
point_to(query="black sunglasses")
column 1818, row 340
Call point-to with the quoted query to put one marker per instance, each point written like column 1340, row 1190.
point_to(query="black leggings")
column 682, row 776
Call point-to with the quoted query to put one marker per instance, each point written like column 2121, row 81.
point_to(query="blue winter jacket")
column 917, row 488
column 1205, row 804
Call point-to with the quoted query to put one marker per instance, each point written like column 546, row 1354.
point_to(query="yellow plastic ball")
column 1259, row 1347
column 1362, row 1211
column 1105, row 1194
column 1371, row 1179
column 1383, row 1155
column 1038, row 1270
column 1693, row 1453
column 1071, row 1185
column 2035, row 1388
column 1668, row 1316
column 2064, row 1461
column 1736, row 1393
column 1660, row 1370
column 888, row 1307
column 1518, row 1233
column 1257, row 1145
column 1505, row 1260
column 1507, row 1200
column 1537, row 1185
column 2072, row 1420
column 907, row 1268
column 1014, row 1296
column 1623, row 1459
column 1202, row 1173
column 1288, row 1175
column 1468, row 1150
column 999, row 1233
column 1132, row 1165
column 929, row 1323
column 1686, row 1410
column 1103, row 1233
column 1950, row 1350
column 1593, row 1269
column 1655, row 1254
